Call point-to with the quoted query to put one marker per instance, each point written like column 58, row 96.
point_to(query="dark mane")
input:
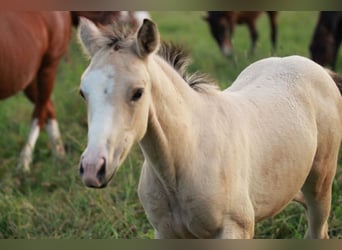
column 179, row 59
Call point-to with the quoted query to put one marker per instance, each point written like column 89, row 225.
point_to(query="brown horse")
column 327, row 38
column 222, row 25
column 33, row 45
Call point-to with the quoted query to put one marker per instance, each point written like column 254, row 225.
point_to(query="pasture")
column 51, row 201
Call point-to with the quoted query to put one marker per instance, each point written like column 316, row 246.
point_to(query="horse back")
column 294, row 89
column 287, row 75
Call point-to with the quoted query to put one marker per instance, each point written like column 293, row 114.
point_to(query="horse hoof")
column 59, row 151
column 25, row 161
column 24, row 166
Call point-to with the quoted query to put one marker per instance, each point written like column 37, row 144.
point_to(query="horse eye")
column 137, row 93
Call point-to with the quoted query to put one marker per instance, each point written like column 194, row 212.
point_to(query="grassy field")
column 51, row 202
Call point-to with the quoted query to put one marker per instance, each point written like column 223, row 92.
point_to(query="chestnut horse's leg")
column 39, row 92
column 44, row 110
column 27, row 152
column 273, row 23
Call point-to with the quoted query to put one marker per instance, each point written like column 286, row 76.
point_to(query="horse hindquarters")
column 40, row 90
column 317, row 189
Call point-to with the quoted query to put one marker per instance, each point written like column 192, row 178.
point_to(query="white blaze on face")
column 97, row 86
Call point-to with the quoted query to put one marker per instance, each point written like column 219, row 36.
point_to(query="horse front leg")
column 236, row 227
column 239, row 221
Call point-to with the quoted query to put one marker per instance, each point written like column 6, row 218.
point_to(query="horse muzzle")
column 93, row 173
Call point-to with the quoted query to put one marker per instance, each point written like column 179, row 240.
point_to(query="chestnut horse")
column 222, row 25
column 216, row 162
column 327, row 38
column 31, row 49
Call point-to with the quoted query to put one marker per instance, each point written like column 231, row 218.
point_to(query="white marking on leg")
column 27, row 152
column 52, row 129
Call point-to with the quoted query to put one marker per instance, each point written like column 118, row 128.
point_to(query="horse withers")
column 216, row 162
column 327, row 38
column 30, row 54
column 222, row 25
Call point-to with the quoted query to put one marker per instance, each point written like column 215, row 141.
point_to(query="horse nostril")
column 102, row 172
column 81, row 169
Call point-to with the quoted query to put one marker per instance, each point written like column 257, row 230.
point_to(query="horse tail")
column 337, row 79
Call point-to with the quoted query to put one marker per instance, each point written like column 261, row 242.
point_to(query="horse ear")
column 90, row 36
column 147, row 38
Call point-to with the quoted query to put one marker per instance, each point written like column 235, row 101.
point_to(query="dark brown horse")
column 222, row 25
column 327, row 38
column 31, row 48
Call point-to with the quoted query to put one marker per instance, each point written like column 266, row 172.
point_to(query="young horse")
column 216, row 162
column 222, row 25
column 327, row 38
column 31, row 50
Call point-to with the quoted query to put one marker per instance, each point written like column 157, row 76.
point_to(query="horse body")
column 238, row 153
column 216, row 162
column 327, row 38
column 30, row 53
column 222, row 26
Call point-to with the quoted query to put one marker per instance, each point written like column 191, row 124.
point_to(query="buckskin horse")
column 216, row 162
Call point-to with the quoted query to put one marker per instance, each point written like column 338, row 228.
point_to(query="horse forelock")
column 120, row 37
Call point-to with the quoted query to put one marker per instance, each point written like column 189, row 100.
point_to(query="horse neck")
column 170, row 126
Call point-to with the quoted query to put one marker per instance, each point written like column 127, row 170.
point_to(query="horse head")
column 116, row 89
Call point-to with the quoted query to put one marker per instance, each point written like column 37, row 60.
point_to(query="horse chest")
column 176, row 217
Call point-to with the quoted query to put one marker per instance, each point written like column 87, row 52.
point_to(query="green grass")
column 51, row 202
